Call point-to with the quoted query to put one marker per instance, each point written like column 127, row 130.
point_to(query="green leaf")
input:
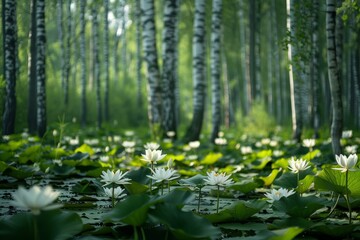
column 133, row 210
column 32, row 153
column 178, row 197
column 184, row 225
column 270, row 179
column 304, row 184
column 335, row 230
column 281, row 234
column 297, row 206
column 136, row 188
column 51, row 225
column 3, row 166
column 247, row 186
column 17, row 173
column 262, row 164
column 211, row 158
column 85, row 149
column 197, row 180
column 334, row 180
column 237, row 211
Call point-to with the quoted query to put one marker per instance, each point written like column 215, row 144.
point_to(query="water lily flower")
column 128, row 144
column 220, row 141
column 298, row 165
column 170, row 134
column 162, row 174
column 194, row 144
column 309, row 143
column 36, row 199
column 152, row 156
column 118, row 192
column 151, row 146
column 110, row 177
column 275, row 195
column 346, row 134
column 346, row 163
column 351, row 149
column 218, row 179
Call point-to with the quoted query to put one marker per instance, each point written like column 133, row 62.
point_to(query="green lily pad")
column 238, row 211
column 334, row 180
column 184, row 225
column 297, row 206
column 211, row 158
column 49, row 224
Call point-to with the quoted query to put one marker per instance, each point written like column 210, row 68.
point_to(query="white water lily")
column 36, row 199
column 220, row 141
column 170, row 134
column 194, row 144
column 298, row 165
column 346, row 163
column 309, row 143
column 218, row 179
column 162, row 174
column 276, row 194
column 118, row 192
column 152, row 156
column 128, row 144
column 151, row 146
column 110, row 177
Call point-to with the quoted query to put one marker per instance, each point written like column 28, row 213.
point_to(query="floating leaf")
column 32, row 153
column 85, row 149
column 184, row 225
column 133, row 210
column 211, row 158
column 237, row 211
column 247, row 185
column 17, row 173
column 304, row 184
column 334, row 180
column 270, row 179
column 297, row 206
column 50, row 225
column 197, row 180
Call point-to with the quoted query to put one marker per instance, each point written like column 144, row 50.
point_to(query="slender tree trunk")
column 276, row 63
column 295, row 84
column 59, row 6
column 10, row 56
column 106, row 60
column 245, row 72
column 32, row 122
column 124, row 44
column 252, row 49
column 169, row 67
column 334, row 78
column 314, row 70
column 139, row 99
column 83, row 63
column 67, row 54
column 216, row 67
column 194, row 130
column 176, row 75
column 40, row 67
column 96, row 70
column 151, row 58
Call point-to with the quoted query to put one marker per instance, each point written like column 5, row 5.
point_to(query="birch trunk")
column 10, row 58
column 169, row 67
column 151, row 58
column 32, row 122
column 40, row 67
column 334, row 78
column 216, row 67
column 194, row 130
column 106, row 60
column 83, row 63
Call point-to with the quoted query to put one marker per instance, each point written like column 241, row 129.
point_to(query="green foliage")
column 258, row 122
column 49, row 225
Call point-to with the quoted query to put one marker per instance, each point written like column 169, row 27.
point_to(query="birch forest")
column 247, row 100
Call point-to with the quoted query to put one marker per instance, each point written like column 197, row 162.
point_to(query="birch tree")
column 31, row 117
column 138, row 53
column 67, row 53
column 151, row 59
column 40, row 67
column 216, row 67
column 83, row 63
column 106, row 60
column 199, row 83
column 96, row 64
column 10, row 58
column 169, row 68
column 334, row 78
